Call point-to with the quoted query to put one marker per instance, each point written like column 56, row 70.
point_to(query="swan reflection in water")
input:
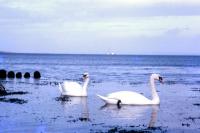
column 76, row 105
column 132, row 112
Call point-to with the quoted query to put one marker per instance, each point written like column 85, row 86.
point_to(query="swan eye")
column 160, row 79
column 85, row 75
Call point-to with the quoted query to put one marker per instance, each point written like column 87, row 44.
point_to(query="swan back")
column 130, row 97
column 72, row 89
column 71, row 85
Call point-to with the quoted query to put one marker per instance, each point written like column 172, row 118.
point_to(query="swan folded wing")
column 108, row 100
column 129, row 97
column 71, row 87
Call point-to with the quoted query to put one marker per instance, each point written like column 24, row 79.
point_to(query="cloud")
column 87, row 22
column 102, row 8
column 148, row 2
column 113, row 28
column 30, row 6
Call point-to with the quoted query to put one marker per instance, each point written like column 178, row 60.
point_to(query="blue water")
column 125, row 68
column 42, row 113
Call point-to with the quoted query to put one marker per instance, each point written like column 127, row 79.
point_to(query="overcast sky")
column 100, row 26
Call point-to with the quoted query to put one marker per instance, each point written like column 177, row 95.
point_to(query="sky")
column 100, row 26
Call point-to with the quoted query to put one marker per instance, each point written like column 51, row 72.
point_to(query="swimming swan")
column 70, row 88
column 133, row 98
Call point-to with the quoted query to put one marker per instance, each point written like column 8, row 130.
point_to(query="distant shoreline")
column 98, row 54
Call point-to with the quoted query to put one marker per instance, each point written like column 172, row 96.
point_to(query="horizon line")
column 111, row 54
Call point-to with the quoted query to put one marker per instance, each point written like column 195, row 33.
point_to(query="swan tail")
column 108, row 100
column 60, row 88
column 102, row 97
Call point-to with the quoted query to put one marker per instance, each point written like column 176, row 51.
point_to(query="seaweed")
column 14, row 93
column 62, row 99
column 196, row 104
column 13, row 100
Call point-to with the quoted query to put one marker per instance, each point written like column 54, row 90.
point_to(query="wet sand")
column 36, row 106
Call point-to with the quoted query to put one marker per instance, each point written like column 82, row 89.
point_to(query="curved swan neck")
column 155, row 97
column 85, row 84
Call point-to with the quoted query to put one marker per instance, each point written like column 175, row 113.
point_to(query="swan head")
column 85, row 76
column 157, row 77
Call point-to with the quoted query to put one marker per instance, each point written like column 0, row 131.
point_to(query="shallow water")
column 45, row 111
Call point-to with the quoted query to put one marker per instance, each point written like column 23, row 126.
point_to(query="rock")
column 2, row 74
column 36, row 75
column 18, row 75
column 11, row 74
column 27, row 75
column 2, row 90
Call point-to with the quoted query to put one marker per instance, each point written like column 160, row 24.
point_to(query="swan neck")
column 155, row 97
column 85, row 85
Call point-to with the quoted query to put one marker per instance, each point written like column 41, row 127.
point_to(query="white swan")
column 133, row 98
column 70, row 88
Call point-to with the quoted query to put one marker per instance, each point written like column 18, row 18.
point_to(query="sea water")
column 41, row 108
